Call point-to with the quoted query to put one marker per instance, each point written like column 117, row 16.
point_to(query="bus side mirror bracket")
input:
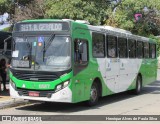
column 5, row 45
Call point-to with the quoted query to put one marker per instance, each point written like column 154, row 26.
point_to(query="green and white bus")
column 71, row 61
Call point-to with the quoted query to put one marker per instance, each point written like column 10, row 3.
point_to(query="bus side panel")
column 149, row 71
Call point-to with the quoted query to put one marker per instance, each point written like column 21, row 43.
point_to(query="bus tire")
column 138, row 85
column 94, row 95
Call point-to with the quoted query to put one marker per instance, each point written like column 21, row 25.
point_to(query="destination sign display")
column 24, row 27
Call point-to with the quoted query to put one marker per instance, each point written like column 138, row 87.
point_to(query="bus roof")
column 42, row 20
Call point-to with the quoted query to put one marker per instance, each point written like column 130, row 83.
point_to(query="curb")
column 12, row 103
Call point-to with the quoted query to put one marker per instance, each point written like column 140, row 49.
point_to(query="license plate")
column 35, row 94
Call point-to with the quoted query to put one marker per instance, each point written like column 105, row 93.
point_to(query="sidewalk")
column 6, row 101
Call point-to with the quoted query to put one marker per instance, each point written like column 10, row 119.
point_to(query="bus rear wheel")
column 94, row 95
column 138, row 85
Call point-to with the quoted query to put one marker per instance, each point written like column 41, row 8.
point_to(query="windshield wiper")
column 27, row 57
column 49, row 41
column 28, row 44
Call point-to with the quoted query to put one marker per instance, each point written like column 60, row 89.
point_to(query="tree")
column 123, row 16
column 29, row 10
column 5, row 6
column 92, row 10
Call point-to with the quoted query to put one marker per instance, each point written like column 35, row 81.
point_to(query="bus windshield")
column 42, row 53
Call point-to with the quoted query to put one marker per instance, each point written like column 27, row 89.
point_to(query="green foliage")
column 8, row 5
column 123, row 17
column 91, row 10
column 5, row 6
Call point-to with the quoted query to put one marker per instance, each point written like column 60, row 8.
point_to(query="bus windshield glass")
column 42, row 53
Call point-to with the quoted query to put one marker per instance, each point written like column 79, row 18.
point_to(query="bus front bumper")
column 64, row 95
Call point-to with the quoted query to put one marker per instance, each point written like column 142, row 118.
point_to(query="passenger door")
column 112, row 64
column 124, row 77
column 81, row 57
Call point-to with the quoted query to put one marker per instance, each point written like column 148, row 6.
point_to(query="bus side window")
column 146, row 50
column 122, row 45
column 152, row 50
column 132, row 48
column 139, row 49
column 112, row 47
column 81, row 51
column 98, row 45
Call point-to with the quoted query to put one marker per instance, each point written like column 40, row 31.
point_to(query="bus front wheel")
column 94, row 95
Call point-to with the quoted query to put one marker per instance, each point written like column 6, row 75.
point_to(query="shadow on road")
column 153, row 88
column 64, row 108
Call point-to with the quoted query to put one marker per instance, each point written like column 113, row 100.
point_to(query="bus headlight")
column 65, row 84
column 12, row 84
column 61, row 86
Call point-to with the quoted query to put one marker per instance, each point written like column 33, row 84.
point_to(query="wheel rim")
column 93, row 94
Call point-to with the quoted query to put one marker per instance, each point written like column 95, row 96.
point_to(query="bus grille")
column 36, row 77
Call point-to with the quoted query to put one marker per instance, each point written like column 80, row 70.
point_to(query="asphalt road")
column 147, row 103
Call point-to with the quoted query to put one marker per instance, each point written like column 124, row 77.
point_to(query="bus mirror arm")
column 5, row 44
column 5, row 47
